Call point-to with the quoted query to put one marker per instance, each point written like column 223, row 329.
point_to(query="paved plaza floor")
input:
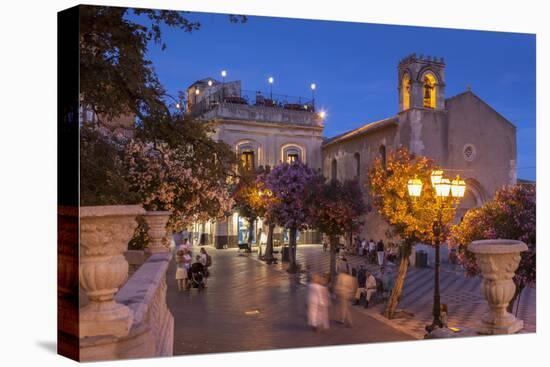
column 249, row 306
column 462, row 295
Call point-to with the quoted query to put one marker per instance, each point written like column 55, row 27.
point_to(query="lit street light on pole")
column 313, row 86
column 224, row 74
column 270, row 80
column 444, row 189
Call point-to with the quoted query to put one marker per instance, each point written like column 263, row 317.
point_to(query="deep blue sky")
column 355, row 66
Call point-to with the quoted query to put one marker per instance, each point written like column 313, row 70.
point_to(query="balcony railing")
column 205, row 103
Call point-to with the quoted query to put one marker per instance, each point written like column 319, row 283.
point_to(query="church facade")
column 463, row 134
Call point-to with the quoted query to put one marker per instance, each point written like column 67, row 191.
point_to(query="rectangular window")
column 292, row 157
column 247, row 160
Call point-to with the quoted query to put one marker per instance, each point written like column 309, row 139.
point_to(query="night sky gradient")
column 355, row 66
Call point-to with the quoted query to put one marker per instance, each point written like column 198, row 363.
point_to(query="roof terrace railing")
column 250, row 98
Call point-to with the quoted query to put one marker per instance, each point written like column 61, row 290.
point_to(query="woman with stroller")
column 196, row 274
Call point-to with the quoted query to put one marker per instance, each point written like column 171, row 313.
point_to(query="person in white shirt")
column 370, row 288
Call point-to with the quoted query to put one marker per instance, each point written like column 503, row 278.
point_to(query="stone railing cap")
column 157, row 212
column 139, row 290
column 497, row 246
column 111, row 210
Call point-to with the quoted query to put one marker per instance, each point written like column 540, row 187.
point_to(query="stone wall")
column 152, row 330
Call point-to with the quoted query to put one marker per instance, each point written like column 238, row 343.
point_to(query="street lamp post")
column 444, row 189
column 313, row 87
column 270, row 80
column 224, row 74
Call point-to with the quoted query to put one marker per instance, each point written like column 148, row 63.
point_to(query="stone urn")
column 498, row 261
column 104, row 235
column 156, row 220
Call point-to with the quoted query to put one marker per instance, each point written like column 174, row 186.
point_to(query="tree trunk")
column 250, row 233
column 399, row 281
column 333, row 246
column 292, row 268
column 268, row 256
column 519, row 288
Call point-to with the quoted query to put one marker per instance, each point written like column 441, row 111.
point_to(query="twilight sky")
column 355, row 66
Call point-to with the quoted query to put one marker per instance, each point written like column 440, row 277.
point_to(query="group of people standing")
column 373, row 250
column 188, row 273
column 348, row 288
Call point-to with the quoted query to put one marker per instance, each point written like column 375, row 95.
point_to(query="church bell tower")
column 421, row 83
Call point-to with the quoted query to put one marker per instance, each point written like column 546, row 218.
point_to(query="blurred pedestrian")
column 344, row 290
column 318, row 304
column 370, row 288
column 342, row 264
column 380, row 252
column 361, row 283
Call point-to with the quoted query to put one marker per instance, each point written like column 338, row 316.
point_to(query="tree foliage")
column 335, row 207
column 410, row 218
column 289, row 183
column 511, row 214
column 104, row 179
column 181, row 170
column 116, row 78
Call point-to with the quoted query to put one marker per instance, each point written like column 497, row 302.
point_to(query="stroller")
column 196, row 276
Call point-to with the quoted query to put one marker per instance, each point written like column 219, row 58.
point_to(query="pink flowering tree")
column 336, row 209
column 177, row 167
column 289, row 183
column 167, row 183
column 511, row 214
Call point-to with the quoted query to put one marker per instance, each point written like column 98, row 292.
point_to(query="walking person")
column 361, row 283
column 206, row 261
column 342, row 265
column 344, row 290
column 380, row 252
column 187, row 259
column 181, row 271
column 370, row 288
column 318, row 303
column 372, row 251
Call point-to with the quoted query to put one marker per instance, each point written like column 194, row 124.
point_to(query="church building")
column 463, row 134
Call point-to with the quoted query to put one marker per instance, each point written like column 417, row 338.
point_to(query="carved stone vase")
column 156, row 220
column 498, row 260
column 104, row 235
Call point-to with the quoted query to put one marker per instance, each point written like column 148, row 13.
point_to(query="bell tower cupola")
column 421, row 83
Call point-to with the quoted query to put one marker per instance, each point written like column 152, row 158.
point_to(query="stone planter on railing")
column 104, row 235
column 498, row 261
column 156, row 220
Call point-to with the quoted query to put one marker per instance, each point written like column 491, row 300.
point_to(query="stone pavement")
column 462, row 295
column 249, row 305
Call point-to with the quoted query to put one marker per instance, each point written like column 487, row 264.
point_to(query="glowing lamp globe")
column 270, row 80
column 443, row 188
column 224, row 73
column 458, row 187
column 415, row 187
column 437, row 176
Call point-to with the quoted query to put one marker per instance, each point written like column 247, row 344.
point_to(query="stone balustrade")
column 110, row 316
column 152, row 330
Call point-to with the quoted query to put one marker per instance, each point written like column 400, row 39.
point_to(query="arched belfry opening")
column 406, row 91
column 421, row 83
column 429, row 91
